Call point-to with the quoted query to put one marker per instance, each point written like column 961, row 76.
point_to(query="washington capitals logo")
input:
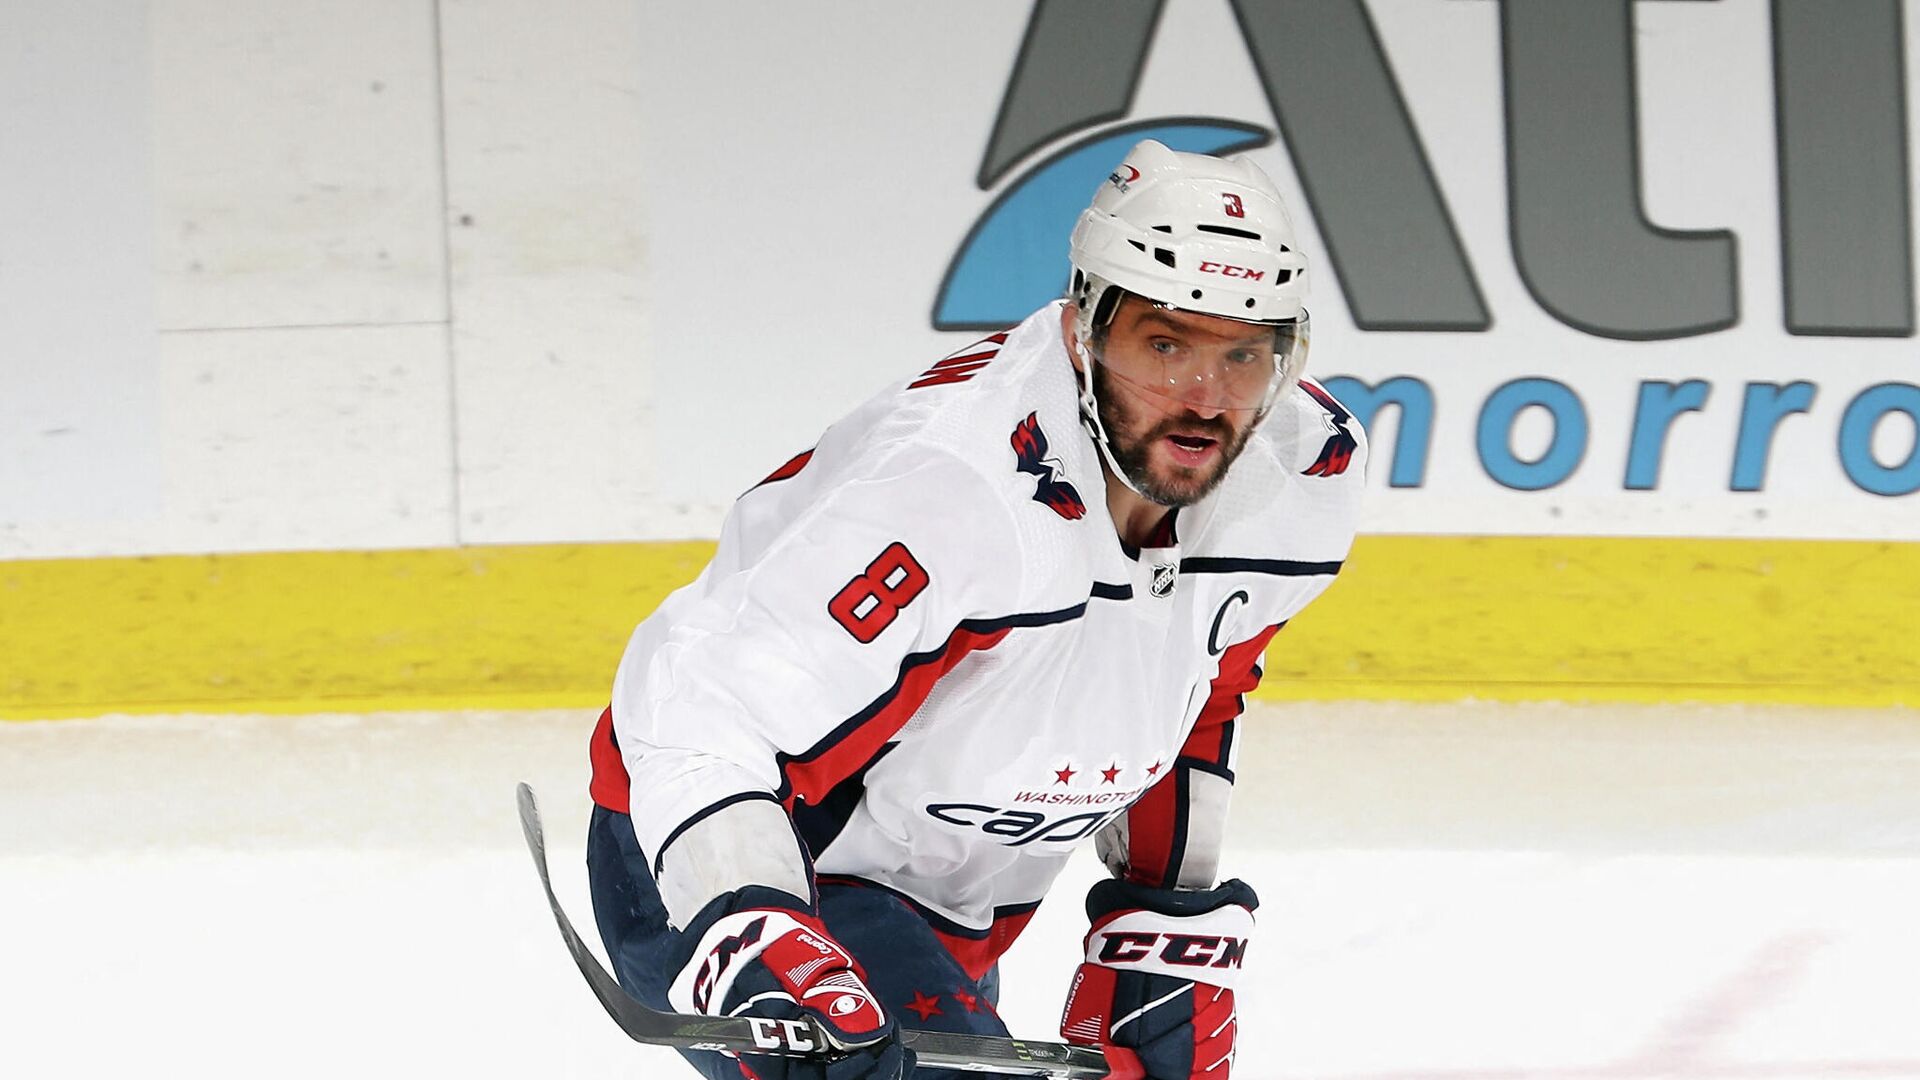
column 1337, row 454
column 1056, row 494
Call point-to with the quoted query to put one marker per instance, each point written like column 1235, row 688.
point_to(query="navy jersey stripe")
column 1280, row 567
column 970, row 635
column 1194, row 764
column 1177, row 847
column 819, row 826
column 702, row 814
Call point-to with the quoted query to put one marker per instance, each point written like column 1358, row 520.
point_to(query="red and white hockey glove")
column 1156, row 990
column 760, row 952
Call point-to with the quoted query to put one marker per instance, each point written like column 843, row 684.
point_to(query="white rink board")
column 1467, row 892
column 663, row 248
column 875, row 201
column 79, row 392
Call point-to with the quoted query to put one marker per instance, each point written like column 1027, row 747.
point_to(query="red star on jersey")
column 967, row 1001
column 924, row 1005
column 1064, row 776
column 1109, row 774
column 1151, row 769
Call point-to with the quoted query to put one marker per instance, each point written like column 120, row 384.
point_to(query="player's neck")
column 1135, row 517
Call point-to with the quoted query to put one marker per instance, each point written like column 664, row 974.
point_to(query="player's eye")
column 1164, row 346
column 1242, row 357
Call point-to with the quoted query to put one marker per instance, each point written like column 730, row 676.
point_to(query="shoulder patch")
column 1337, row 453
column 1030, row 456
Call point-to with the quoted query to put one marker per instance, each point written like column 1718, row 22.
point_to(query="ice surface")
column 1451, row 892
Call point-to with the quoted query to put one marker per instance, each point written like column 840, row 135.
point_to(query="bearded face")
column 1172, row 459
column 1179, row 394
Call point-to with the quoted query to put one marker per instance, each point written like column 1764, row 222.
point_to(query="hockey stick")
column 789, row 1038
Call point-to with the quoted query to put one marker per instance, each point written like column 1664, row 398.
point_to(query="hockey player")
column 1008, row 605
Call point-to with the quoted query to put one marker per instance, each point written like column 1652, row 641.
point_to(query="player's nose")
column 1205, row 397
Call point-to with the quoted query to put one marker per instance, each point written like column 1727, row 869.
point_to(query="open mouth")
column 1191, row 449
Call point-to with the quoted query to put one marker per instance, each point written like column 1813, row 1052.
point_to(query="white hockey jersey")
column 925, row 641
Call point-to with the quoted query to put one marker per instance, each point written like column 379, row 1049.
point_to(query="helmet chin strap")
column 1090, row 418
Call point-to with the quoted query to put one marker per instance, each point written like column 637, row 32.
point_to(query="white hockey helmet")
column 1198, row 233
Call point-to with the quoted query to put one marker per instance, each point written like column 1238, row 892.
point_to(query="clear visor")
column 1203, row 369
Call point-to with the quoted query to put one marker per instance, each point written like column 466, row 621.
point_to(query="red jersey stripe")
column 976, row 956
column 1156, row 823
column 1152, row 822
column 610, row 785
column 856, row 741
column 790, row 470
column 810, row 778
column 1239, row 675
column 982, row 356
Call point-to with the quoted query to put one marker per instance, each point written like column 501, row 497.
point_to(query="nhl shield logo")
column 1163, row 577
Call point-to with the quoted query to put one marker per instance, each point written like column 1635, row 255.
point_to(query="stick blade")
column 530, row 825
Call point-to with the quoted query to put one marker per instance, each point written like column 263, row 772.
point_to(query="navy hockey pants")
column 916, row 979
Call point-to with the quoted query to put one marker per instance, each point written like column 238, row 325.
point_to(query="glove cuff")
column 1116, row 894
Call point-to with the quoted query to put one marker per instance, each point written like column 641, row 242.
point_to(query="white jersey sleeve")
column 841, row 590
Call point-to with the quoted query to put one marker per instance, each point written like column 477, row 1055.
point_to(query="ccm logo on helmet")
column 1184, row 950
column 1229, row 270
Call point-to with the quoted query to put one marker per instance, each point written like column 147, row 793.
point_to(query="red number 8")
column 871, row 602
